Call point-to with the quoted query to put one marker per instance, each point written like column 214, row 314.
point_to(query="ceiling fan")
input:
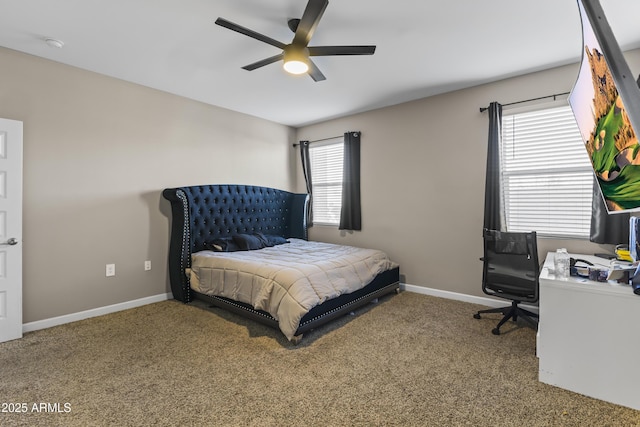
column 296, row 55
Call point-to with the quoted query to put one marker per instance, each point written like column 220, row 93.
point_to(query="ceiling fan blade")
column 309, row 21
column 264, row 62
column 247, row 32
column 315, row 72
column 341, row 50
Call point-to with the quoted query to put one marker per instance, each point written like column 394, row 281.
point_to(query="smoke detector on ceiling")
column 51, row 42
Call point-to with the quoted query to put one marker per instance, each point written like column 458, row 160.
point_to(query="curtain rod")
column 483, row 109
column 319, row 140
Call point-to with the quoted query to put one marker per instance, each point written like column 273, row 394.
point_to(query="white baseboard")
column 74, row 317
column 490, row 302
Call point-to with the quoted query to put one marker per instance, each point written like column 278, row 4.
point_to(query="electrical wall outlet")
column 111, row 270
column 147, row 265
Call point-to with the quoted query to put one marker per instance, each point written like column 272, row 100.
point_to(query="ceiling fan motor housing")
column 293, row 24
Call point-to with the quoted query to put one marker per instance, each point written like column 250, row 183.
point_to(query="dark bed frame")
column 204, row 212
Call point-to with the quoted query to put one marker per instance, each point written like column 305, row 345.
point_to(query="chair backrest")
column 510, row 265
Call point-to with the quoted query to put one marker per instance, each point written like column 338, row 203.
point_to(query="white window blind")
column 546, row 174
column 326, row 176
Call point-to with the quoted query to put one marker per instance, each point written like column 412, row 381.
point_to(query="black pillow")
column 250, row 242
column 244, row 242
column 222, row 244
column 273, row 240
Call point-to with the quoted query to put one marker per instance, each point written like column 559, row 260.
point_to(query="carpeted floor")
column 410, row 360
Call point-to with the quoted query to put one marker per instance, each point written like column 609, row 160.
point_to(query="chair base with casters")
column 511, row 312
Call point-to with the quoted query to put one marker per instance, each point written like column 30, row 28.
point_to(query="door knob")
column 12, row 241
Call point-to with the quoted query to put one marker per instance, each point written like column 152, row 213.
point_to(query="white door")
column 10, row 230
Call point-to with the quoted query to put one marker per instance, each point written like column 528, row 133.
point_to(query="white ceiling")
column 424, row 47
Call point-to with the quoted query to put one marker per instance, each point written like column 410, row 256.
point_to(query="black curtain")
column 493, row 214
column 306, row 169
column 350, row 214
column 610, row 229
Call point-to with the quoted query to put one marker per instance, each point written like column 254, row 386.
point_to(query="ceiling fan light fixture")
column 296, row 67
column 296, row 60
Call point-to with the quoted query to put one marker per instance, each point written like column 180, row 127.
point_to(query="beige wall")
column 423, row 172
column 97, row 153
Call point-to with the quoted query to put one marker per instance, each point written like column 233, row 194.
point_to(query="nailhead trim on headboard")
column 185, row 261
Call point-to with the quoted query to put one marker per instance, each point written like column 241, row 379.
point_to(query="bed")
column 207, row 217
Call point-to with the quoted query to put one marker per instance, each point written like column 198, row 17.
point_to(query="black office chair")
column 510, row 270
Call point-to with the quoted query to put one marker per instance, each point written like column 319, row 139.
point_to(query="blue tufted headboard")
column 202, row 213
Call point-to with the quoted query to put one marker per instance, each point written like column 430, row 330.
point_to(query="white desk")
column 589, row 336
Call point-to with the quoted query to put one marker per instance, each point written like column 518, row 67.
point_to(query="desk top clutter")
column 587, row 269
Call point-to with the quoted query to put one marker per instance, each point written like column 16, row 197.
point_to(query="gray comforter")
column 287, row 280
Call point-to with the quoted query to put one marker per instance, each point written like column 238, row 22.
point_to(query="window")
column 546, row 174
column 326, row 168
